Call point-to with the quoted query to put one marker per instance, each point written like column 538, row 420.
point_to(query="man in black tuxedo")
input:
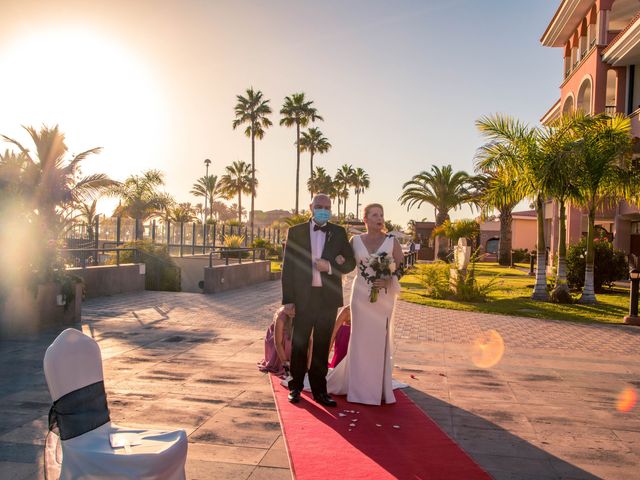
column 316, row 255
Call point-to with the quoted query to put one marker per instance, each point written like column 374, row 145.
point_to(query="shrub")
column 610, row 264
column 521, row 255
column 271, row 249
column 232, row 247
column 161, row 272
column 435, row 280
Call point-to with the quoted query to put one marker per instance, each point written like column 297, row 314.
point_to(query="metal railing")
column 78, row 256
column 236, row 253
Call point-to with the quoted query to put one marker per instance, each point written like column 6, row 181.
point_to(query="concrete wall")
column 104, row 280
column 191, row 272
column 226, row 277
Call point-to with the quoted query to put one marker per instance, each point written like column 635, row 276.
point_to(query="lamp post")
column 207, row 162
column 632, row 318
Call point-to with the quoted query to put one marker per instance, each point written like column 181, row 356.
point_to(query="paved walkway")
column 547, row 410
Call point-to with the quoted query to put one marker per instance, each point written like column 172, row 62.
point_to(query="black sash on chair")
column 79, row 411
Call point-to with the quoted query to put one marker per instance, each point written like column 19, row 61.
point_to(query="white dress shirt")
column 318, row 237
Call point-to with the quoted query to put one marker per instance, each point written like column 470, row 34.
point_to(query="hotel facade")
column 600, row 45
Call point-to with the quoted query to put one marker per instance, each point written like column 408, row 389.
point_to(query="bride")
column 364, row 375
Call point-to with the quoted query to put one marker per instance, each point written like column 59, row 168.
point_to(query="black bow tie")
column 324, row 228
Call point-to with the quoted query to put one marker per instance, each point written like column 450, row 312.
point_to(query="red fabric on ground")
column 321, row 446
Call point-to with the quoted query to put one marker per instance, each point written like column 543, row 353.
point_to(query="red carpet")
column 323, row 445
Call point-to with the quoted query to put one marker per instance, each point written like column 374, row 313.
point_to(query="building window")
column 635, row 228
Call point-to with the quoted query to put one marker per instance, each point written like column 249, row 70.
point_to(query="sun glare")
column 99, row 93
column 487, row 349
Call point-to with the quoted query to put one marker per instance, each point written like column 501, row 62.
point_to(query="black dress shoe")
column 294, row 396
column 325, row 399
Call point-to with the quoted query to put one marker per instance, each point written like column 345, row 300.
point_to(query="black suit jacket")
column 297, row 268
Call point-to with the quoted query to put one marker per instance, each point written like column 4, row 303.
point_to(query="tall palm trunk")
column 344, row 216
column 506, row 219
column 253, row 179
column 357, row 202
column 540, row 288
column 338, row 196
column 311, row 153
column 239, row 210
column 588, row 292
column 297, row 162
column 561, row 293
column 441, row 216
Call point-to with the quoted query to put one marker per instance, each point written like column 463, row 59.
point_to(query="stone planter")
column 23, row 312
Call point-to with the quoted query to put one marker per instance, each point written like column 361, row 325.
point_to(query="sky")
column 399, row 84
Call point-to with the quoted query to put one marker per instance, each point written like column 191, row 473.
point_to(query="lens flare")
column 487, row 349
column 627, row 399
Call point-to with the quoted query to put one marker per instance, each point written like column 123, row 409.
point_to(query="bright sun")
column 98, row 92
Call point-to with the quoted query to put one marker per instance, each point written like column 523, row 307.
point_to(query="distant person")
column 412, row 247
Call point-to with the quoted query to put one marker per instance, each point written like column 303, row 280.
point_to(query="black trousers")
column 318, row 318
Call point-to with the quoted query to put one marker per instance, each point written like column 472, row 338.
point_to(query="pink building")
column 600, row 41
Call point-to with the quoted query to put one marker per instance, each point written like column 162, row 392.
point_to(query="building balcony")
column 634, row 117
column 624, row 49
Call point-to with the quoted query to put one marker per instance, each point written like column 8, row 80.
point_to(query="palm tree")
column 441, row 188
column 87, row 213
column 517, row 148
column 360, row 184
column 53, row 182
column 494, row 190
column 253, row 111
column 140, row 198
column 559, row 174
column 313, row 142
column 344, row 179
column 604, row 174
column 236, row 181
column 297, row 111
column 208, row 187
column 182, row 213
column 320, row 182
column 464, row 228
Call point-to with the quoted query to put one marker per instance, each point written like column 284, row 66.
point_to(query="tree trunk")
column 588, row 292
column 345, row 208
column 297, row 163
column 253, row 180
column 311, row 189
column 357, row 203
column 441, row 216
column 506, row 219
column 540, row 288
column 239, row 209
column 560, row 293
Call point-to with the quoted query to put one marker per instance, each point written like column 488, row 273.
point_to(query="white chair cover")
column 73, row 361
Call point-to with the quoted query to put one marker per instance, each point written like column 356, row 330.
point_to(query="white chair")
column 72, row 362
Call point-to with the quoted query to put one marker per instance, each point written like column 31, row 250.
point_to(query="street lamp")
column 207, row 162
column 634, row 275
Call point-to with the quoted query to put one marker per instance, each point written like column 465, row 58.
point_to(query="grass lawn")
column 512, row 297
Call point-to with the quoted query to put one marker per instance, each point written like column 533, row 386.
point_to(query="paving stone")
column 546, row 410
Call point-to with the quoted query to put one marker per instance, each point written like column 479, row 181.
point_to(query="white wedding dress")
column 364, row 375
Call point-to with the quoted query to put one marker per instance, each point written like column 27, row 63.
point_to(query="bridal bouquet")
column 378, row 266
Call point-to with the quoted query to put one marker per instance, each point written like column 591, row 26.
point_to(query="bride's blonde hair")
column 368, row 208
column 371, row 206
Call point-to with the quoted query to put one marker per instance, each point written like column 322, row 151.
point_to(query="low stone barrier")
column 103, row 280
column 220, row 278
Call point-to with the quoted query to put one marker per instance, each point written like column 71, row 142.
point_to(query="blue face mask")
column 321, row 216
